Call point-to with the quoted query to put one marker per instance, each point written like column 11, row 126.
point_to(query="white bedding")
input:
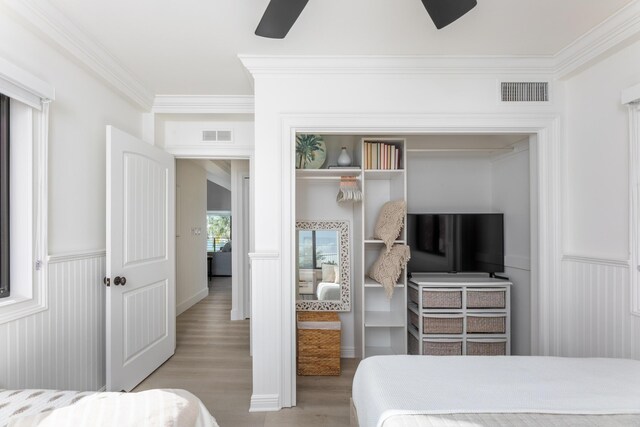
column 54, row 408
column 328, row 291
column 388, row 386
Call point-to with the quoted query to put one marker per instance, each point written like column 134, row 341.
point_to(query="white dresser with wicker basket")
column 458, row 314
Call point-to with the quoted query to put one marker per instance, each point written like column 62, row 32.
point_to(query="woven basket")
column 489, row 348
column 318, row 349
column 486, row 325
column 441, row 299
column 442, row 348
column 442, row 325
column 486, row 299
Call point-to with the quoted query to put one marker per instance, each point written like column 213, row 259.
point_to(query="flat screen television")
column 456, row 243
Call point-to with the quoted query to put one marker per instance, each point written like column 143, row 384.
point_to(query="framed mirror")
column 323, row 270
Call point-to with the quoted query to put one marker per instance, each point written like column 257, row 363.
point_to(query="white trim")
column 203, row 104
column 76, row 256
column 547, row 267
column 612, row 262
column 631, row 94
column 605, row 36
column 190, row 302
column 206, row 152
column 347, row 352
column 406, row 65
column 23, row 86
column 634, row 206
column 264, row 256
column 265, row 403
column 49, row 20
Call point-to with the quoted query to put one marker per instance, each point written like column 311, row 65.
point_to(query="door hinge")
column 38, row 265
column 107, row 281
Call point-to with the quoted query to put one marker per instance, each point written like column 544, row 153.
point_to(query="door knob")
column 119, row 280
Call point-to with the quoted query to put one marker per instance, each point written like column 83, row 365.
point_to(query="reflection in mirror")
column 322, row 267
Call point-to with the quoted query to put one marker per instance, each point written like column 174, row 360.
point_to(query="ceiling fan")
column 280, row 15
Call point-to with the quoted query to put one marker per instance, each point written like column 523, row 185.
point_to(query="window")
column 218, row 230
column 24, row 120
column 317, row 247
column 4, row 196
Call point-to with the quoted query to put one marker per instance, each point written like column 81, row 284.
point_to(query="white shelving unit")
column 380, row 323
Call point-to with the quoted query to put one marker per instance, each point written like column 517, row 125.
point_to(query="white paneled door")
column 140, row 321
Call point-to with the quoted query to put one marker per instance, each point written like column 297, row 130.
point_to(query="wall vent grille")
column 217, row 136
column 525, row 91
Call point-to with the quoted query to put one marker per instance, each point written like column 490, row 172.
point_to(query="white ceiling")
column 190, row 47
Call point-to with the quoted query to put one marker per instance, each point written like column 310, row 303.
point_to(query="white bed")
column 55, row 408
column 328, row 291
column 421, row 391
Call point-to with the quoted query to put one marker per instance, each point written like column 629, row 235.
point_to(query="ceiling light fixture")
column 280, row 15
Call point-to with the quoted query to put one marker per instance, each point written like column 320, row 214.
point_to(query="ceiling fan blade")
column 444, row 12
column 279, row 18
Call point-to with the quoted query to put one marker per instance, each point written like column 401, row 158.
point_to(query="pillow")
column 389, row 266
column 328, row 273
column 390, row 222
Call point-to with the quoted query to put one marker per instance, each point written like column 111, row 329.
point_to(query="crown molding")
column 57, row 27
column 612, row 32
column 203, row 104
column 289, row 65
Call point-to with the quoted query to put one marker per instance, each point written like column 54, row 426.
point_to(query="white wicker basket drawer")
column 486, row 298
column 442, row 347
column 441, row 298
column 487, row 347
column 487, row 323
column 442, row 323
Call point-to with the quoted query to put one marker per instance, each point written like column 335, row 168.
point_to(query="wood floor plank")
column 212, row 361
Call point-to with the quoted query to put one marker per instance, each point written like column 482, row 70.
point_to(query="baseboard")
column 348, row 352
column 235, row 315
column 185, row 305
column 265, row 403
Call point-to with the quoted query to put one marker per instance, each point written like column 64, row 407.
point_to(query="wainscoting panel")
column 63, row 346
column 595, row 310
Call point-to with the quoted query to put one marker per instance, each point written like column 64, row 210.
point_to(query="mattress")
column 160, row 407
column 412, row 391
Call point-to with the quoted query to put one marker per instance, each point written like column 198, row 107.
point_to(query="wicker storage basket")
column 486, row 298
column 486, row 348
column 442, row 348
column 318, row 343
column 432, row 298
column 493, row 324
column 442, row 324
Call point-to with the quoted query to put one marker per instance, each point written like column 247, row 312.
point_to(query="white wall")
column 218, row 197
column 510, row 179
column 448, row 183
column 596, row 318
column 191, row 230
column 63, row 347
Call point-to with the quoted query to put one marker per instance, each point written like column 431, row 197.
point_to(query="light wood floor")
column 212, row 361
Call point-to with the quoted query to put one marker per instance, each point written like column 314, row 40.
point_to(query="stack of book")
column 380, row 155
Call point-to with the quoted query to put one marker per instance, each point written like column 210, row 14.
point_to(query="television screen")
column 456, row 243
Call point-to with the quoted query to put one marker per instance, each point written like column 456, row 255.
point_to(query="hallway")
column 212, row 361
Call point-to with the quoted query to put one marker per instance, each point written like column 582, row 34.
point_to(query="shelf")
column 382, row 174
column 384, row 319
column 370, row 283
column 378, row 351
column 380, row 242
column 326, row 173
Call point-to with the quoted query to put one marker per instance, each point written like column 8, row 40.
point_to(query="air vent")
column 525, row 91
column 217, row 136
